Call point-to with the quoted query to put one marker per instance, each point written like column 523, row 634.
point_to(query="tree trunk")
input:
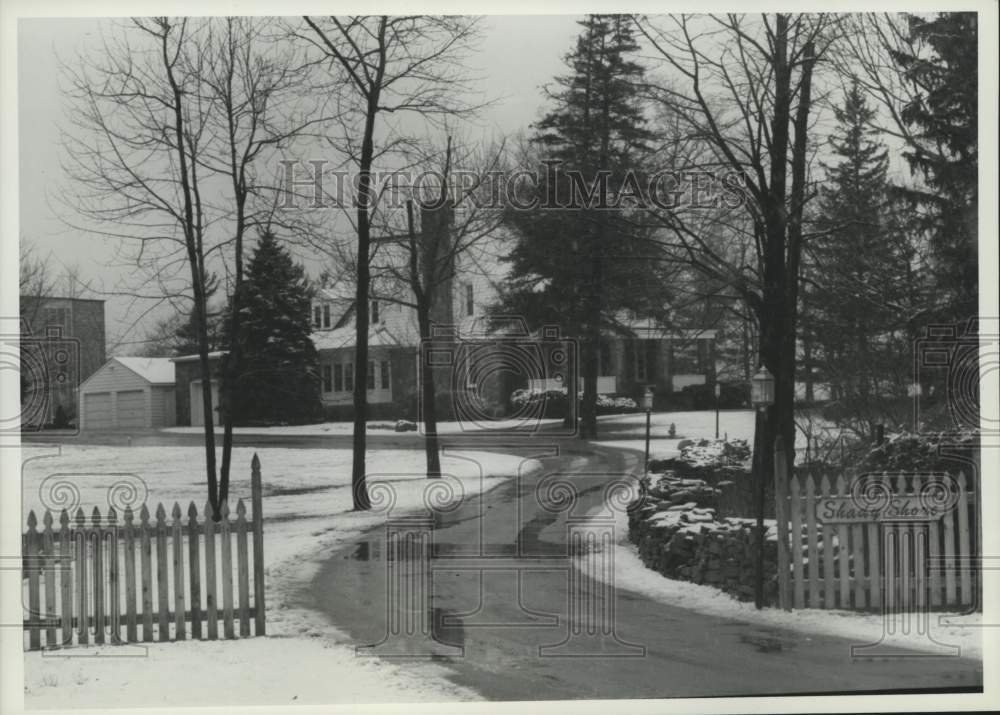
column 232, row 360
column 358, row 467
column 572, row 389
column 429, row 395
column 590, row 347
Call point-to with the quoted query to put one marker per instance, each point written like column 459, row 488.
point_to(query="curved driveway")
column 498, row 601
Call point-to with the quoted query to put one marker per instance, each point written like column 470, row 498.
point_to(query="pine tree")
column 944, row 149
column 571, row 265
column 278, row 379
column 858, row 273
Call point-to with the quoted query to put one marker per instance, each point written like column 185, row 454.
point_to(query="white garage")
column 129, row 393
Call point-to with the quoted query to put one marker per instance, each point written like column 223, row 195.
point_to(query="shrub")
column 934, row 451
column 553, row 403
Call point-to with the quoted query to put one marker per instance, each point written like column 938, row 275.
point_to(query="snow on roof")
column 158, row 371
column 345, row 338
column 191, row 358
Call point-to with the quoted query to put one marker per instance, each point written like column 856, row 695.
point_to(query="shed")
column 129, row 392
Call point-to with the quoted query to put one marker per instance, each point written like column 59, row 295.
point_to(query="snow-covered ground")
column 941, row 630
column 629, row 431
column 306, row 506
column 375, row 427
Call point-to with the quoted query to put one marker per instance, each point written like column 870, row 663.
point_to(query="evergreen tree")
column 278, row 374
column 943, row 69
column 576, row 261
column 854, row 321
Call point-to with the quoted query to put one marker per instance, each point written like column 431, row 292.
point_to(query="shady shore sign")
column 873, row 500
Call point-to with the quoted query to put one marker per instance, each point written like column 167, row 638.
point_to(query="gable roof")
column 157, row 370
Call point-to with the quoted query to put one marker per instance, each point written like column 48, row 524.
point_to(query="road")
column 496, row 597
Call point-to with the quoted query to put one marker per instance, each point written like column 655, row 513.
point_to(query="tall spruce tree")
column 854, row 318
column 278, row 375
column 943, row 116
column 575, row 261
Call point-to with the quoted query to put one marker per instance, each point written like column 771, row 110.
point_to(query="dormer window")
column 373, row 316
column 321, row 315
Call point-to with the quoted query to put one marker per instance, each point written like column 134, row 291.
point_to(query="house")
column 66, row 338
column 187, row 388
column 643, row 353
column 129, row 392
column 394, row 343
column 480, row 365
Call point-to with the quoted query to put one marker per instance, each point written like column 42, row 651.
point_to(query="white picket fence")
column 906, row 539
column 139, row 577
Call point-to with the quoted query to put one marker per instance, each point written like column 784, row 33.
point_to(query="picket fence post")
column 256, row 497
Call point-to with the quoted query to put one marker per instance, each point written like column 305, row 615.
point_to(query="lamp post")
column 761, row 397
column 718, row 391
column 647, row 403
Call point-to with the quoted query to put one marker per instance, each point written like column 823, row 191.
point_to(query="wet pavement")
column 501, row 591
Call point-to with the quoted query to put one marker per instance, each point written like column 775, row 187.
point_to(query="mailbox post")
column 647, row 400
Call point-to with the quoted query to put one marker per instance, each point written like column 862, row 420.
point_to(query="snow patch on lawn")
column 303, row 659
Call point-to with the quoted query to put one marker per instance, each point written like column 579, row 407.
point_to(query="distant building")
column 129, row 393
column 62, row 345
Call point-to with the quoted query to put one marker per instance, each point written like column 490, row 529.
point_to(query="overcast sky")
column 517, row 56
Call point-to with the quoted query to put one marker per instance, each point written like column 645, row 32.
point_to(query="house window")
column 641, row 361
column 326, row 315
column 348, row 377
column 371, row 374
column 338, row 378
column 316, row 316
column 385, row 374
column 327, row 378
column 56, row 318
column 470, row 305
column 374, row 313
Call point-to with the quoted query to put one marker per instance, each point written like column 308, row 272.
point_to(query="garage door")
column 97, row 411
column 132, row 408
column 198, row 409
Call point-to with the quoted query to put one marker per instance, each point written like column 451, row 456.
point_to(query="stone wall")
column 678, row 535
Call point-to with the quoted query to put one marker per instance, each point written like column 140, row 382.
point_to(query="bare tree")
column 455, row 224
column 133, row 158
column 743, row 87
column 258, row 87
column 385, row 67
column 36, row 280
column 170, row 118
